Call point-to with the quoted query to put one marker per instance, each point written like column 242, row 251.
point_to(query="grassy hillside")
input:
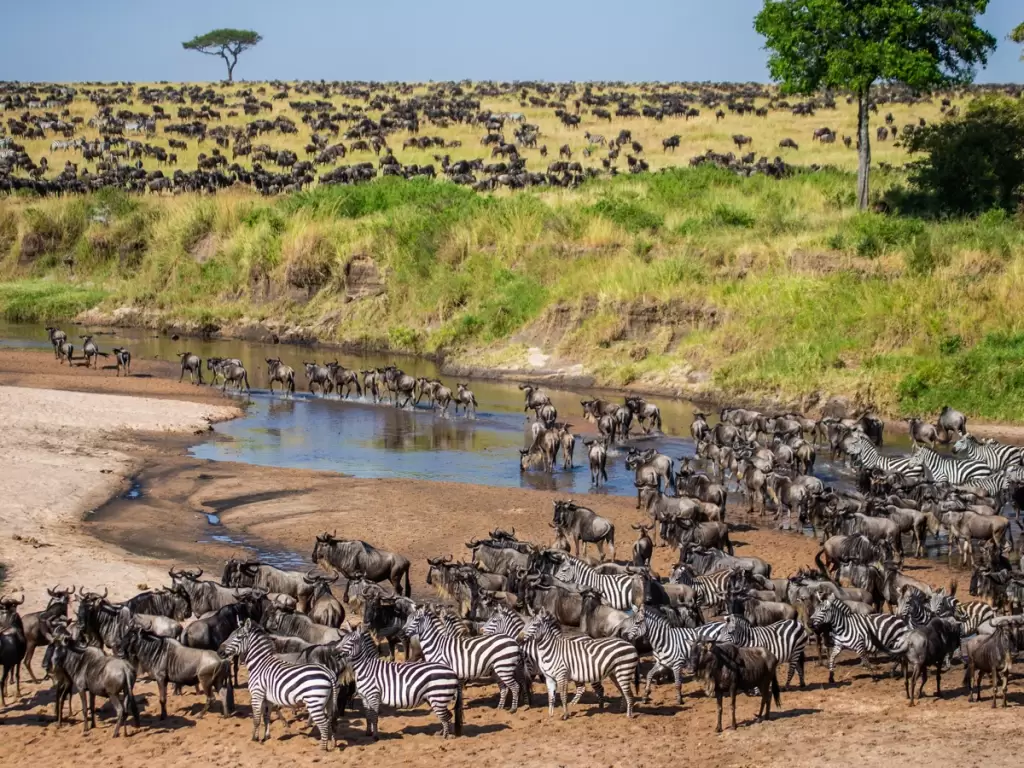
column 694, row 281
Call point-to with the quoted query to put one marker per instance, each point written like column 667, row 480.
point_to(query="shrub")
column 631, row 216
column 872, row 234
column 974, row 162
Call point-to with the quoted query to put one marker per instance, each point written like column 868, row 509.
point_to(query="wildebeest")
column 283, row 621
column 647, row 414
column 96, row 674
column 467, row 400
column 496, row 557
column 584, row 525
column 193, row 364
column 345, row 378
column 91, row 352
column 319, row 376
column 399, row 384
column 124, row 360
column 650, row 468
column 279, row 372
column 168, row 661
column 535, row 399
column 597, row 455
column 990, row 654
column 922, row 432
column 927, row 645
column 36, row 625
column 643, row 549
column 352, row 557
column 12, row 645
column 257, row 575
column 57, row 337
column 65, row 352
column 541, row 453
column 234, row 374
column 726, row 669
column 951, row 419
column 323, row 607
column 204, row 596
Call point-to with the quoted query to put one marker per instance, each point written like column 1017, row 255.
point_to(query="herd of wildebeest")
column 515, row 611
column 134, row 128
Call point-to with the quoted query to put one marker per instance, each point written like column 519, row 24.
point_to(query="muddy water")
column 364, row 439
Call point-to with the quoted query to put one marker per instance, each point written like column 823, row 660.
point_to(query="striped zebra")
column 271, row 681
column 944, row 469
column 868, row 456
column 402, row 686
column 971, row 615
column 671, row 645
column 786, row 640
column 914, row 607
column 471, row 658
column 995, row 455
column 616, row 589
column 582, row 660
column 860, row 634
column 711, row 589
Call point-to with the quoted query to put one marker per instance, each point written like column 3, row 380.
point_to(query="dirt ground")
column 859, row 721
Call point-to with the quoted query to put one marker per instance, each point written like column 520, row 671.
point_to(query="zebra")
column 971, row 615
column 471, row 658
column 711, row 589
column 402, row 686
column 860, row 634
column 914, row 607
column 995, row 455
column 616, row 589
column 271, row 681
column 671, row 645
column 584, row 660
column 949, row 470
column 786, row 640
column 869, row 458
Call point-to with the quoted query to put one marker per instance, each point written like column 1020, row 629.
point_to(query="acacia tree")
column 1017, row 35
column 226, row 43
column 853, row 44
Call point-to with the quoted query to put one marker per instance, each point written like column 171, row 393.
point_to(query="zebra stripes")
column 786, row 640
column 271, row 681
column 671, row 645
column 402, row 686
column 944, row 469
column 994, row 455
column 860, row 634
column 471, row 658
column 582, row 660
column 616, row 589
column 711, row 589
column 869, row 457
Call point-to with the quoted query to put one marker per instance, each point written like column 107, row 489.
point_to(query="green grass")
column 765, row 288
column 43, row 302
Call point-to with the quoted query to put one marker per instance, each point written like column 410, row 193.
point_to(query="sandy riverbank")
column 63, row 454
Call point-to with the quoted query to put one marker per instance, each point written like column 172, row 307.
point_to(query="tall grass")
column 759, row 287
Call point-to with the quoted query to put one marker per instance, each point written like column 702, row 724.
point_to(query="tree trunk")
column 864, row 147
column 231, row 70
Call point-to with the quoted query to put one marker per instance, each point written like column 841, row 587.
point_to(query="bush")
column 42, row 302
column 872, row 234
column 631, row 216
column 973, row 163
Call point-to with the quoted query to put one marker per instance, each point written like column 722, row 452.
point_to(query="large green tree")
column 226, row 43
column 1017, row 35
column 853, row 44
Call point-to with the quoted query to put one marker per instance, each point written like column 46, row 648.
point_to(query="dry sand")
column 63, row 454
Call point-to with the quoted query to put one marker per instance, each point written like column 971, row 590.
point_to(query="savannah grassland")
column 687, row 280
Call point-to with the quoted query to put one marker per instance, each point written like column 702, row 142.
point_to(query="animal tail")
column 291, row 384
column 103, row 354
column 224, row 678
column 775, row 690
column 728, row 543
column 408, row 589
column 245, row 377
column 474, row 401
column 458, row 711
column 967, row 675
column 181, row 354
column 821, row 565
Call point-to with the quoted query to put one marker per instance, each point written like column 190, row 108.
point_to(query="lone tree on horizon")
column 852, row 44
column 226, row 43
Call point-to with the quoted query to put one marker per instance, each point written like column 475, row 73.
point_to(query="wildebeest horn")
column 473, row 544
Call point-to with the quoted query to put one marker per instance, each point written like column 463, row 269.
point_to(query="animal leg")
column 550, row 682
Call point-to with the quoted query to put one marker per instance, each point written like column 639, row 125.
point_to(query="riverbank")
column 65, row 453
column 859, row 722
column 691, row 282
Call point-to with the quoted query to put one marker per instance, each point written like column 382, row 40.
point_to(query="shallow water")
column 363, row 439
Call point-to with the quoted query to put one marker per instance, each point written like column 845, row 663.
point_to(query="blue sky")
column 61, row 40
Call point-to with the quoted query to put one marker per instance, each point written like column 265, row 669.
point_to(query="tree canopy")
column 226, row 43
column 852, row 44
column 1017, row 35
